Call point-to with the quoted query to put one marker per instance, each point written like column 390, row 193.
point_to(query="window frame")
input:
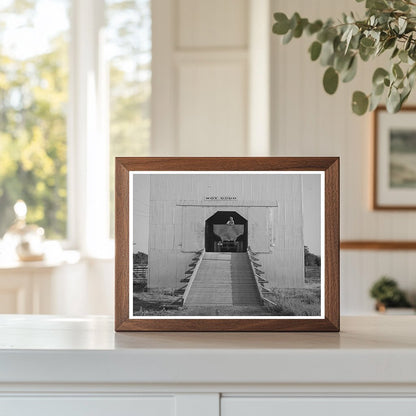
column 87, row 133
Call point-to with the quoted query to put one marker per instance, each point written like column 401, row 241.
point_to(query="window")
column 33, row 102
column 129, row 43
column 75, row 87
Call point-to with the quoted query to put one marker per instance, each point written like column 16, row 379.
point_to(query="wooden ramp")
column 224, row 279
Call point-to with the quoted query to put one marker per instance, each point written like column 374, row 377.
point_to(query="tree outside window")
column 34, row 92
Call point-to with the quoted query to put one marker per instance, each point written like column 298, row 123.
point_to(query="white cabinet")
column 79, row 366
column 88, row 406
column 272, row 406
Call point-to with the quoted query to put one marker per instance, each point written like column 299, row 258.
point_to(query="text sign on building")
column 220, row 198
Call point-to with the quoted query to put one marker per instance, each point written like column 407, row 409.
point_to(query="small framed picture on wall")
column 394, row 179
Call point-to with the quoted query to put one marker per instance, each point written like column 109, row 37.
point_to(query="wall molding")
column 377, row 245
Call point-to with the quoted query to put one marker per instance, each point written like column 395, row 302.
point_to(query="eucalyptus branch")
column 388, row 25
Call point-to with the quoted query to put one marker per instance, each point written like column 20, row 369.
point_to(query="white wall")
column 203, row 83
column 308, row 122
column 211, row 92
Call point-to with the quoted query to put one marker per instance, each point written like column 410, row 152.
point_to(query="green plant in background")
column 387, row 293
column 34, row 105
column 389, row 27
column 33, row 93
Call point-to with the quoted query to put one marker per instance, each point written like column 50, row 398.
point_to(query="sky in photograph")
column 141, row 204
column 312, row 212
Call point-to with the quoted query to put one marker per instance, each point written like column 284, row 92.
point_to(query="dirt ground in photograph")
column 290, row 302
column 163, row 303
column 300, row 302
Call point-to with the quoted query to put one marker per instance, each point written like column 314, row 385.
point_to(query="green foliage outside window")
column 129, row 43
column 34, row 104
column 33, row 99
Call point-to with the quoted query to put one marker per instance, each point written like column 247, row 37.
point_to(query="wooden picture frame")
column 394, row 184
column 245, row 175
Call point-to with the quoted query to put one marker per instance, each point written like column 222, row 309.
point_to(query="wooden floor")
column 224, row 279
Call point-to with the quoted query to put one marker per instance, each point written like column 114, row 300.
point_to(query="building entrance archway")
column 223, row 234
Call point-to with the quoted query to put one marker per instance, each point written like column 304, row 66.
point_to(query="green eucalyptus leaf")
column 379, row 50
column 403, row 56
column 400, row 5
column 298, row 30
column 402, row 22
column 315, row 50
column 327, row 54
column 346, row 34
column 359, row 103
column 393, row 101
column 412, row 52
column 379, row 75
column 389, row 43
column 394, row 26
column 412, row 70
column 294, row 20
column 376, row 35
column 367, row 42
column 404, row 96
column 282, row 26
column 314, row 27
column 351, row 71
column 366, row 53
column 332, row 33
column 288, row 37
column 395, row 52
column 342, row 62
column 378, row 89
column 374, row 102
column 330, row 80
column 397, row 71
column 351, row 18
column 352, row 31
column 355, row 41
column 382, row 19
column 408, row 42
column 376, row 4
column 338, row 44
column 322, row 35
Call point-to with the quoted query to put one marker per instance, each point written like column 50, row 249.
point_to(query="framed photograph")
column 227, row 244
column 395, row 159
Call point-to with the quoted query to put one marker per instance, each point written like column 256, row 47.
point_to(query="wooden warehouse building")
column 190, row 212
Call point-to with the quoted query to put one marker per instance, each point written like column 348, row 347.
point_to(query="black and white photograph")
column 226, row 244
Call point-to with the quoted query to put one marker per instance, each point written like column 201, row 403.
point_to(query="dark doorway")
column 222, row 237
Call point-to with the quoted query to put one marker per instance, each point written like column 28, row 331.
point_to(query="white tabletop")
column 376, row 349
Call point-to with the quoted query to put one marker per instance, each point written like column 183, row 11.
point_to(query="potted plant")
column 389, row 27
column 387, row 294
